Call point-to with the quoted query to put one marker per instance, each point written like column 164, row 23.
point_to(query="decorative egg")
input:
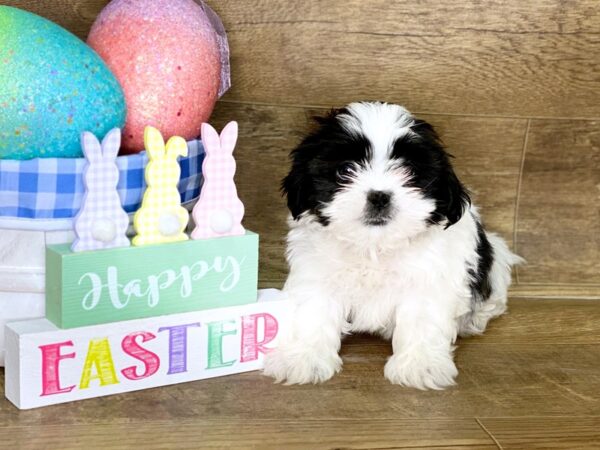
column 52, row 87
column 166, row 56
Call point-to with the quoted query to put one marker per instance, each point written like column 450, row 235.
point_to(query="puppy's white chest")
column 369, row 294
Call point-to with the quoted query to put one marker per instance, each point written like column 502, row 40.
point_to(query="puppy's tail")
column 502, row 253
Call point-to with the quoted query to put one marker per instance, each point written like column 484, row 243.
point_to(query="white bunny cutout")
column 219, row 211
column 101, row 221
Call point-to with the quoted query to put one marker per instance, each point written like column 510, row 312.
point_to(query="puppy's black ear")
column 452, row 198
column 297, row 185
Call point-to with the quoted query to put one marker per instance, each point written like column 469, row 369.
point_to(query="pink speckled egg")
column 165, row 54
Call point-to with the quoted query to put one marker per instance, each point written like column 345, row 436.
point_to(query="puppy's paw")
column 301, row 365
column 421, row 370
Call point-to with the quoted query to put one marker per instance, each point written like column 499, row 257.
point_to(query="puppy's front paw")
column 301, row 365
column 422, row 371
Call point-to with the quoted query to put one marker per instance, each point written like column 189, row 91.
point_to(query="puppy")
column 384, row 239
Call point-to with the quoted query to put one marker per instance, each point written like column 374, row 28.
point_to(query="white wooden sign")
column 46, row 365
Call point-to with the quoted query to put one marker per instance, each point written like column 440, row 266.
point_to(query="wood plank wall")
column 513, row 87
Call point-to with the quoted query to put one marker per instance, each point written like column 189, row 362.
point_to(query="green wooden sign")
column 103, row 286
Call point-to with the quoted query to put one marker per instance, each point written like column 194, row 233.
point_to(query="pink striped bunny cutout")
column 101, row 221
column 219, row 211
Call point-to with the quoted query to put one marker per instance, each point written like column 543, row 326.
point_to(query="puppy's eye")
column 345, row 170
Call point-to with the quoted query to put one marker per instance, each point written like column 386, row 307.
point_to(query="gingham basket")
column 52, row 188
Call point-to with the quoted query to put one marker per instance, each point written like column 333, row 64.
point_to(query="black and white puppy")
column 384, row 240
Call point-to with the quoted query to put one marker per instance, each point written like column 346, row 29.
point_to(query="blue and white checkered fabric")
column 52, row 188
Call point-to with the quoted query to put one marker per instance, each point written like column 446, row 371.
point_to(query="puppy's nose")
column 379, row 199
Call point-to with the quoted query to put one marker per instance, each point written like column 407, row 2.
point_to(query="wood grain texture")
column 559, row 211
column 581, row 433
column 76, row 16
column 487, row 150
column 276, row 434
column 462, row 57
column 555, row 291
column 529, row 320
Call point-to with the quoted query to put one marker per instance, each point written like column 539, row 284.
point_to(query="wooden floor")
column 533, row 381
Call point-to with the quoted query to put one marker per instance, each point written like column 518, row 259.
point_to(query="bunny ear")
column 91, row 146
column 154, row 143
column 111, row 144
column 176, row 146
column 229, row 137
column 210, row 138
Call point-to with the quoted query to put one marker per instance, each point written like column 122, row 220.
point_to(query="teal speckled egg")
column 52, row 87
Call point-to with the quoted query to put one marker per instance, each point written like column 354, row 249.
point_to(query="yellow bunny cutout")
column 161, row 218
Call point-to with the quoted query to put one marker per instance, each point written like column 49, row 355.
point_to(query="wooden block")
column 111, row 285
column 46, row 365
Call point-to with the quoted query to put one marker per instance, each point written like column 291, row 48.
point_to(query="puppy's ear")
column 309, row 180
column 296, row 185
column 452, row 198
